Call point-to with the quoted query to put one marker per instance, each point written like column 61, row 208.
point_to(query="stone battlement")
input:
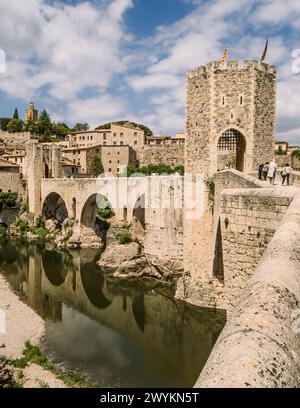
column 233, row 65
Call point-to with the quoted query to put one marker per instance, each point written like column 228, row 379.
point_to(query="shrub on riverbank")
column 124, row 237
column 3, row 232
column 33, row 355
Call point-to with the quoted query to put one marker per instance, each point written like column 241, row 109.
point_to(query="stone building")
column 114, row 159
column 281, row 147
column 162, row 140
column 230, row 110
column 117, row 135
column 9, row 177
column 16, row 155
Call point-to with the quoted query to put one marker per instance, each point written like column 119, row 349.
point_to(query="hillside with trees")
column 148, row 132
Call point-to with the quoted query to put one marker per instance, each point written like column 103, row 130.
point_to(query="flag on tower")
column 265, row 53
column 224, row 58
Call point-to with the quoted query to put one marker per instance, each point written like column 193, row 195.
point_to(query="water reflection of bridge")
column 170, row 331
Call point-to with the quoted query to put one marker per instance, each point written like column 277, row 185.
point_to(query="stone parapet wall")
column 229, row 179
column 18, row 138
column 248, row 221
column 258, row 347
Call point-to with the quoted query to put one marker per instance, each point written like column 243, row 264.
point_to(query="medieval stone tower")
column 230, row 116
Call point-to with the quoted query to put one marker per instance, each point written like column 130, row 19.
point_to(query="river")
column 118, row 333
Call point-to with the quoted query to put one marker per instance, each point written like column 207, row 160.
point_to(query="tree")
column 81, row 127
column 96, row 167
column 15, row 125
column 60, row 130
column 3, row 123
column 16, row 114
column 45, row 124
column 296, row 153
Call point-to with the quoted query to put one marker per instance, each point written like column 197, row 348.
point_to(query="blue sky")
column 105, row 60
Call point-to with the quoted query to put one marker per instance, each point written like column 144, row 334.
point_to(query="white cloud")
column 65, row 48
column 96, row 110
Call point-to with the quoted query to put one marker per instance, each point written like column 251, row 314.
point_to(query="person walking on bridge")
column 286, row 174
column 265, row 171
column 272, row 172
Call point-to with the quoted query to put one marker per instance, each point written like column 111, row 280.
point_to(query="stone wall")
column 169, row 155
column 248, row 221
column 10, row 180
column 19, row 138
column 258, row 347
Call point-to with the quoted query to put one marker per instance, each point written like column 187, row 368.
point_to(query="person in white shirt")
column 272, row 171
column 286, row 174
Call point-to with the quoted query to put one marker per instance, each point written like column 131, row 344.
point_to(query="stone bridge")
column 156, row 202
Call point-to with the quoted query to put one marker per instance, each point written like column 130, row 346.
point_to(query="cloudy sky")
column 105, row 60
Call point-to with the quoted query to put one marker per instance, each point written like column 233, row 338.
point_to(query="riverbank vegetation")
column 13, row 370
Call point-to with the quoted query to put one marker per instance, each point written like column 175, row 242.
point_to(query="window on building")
column 135, row 142
column 121, row 134
column 110, row 161
column 109, row 170
column 104, row 143
column 135, row 134
column 104, row 136
column 115, row 143
column 121, row 143
column 223, row 100
column 118, row 161
column 241, row 100
column 115, row 134
column 118, row 170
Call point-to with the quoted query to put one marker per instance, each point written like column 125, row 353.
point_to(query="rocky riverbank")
column 20, row 325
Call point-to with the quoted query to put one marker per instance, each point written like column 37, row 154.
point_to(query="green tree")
column 45, row 126
column 81, row 127
column 296, row 153
column 96, row 167
column 15, row 125
column 16, row 114
column 60, row 130
column 3, row 123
